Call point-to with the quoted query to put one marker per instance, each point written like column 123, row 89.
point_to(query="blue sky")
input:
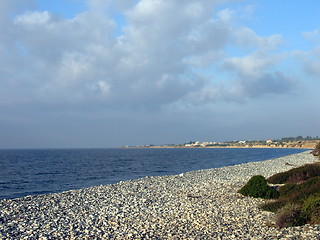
column 96, row 73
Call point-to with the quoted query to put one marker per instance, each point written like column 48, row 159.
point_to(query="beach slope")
column 195, row 205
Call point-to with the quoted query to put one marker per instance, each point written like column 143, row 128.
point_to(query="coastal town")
column 289, row 142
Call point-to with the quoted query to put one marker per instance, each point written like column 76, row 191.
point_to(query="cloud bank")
column 159, row 54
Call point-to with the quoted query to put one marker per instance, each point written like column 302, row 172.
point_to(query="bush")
column 290, row 215
column 296, row 175
column 258, row 187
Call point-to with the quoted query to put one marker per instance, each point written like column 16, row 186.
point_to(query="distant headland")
column 288, row 142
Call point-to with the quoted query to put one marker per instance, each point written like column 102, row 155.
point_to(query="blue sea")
column 32, row 172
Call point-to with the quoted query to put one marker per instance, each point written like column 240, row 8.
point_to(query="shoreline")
column 201, row 204
column 244, row 147
column 303, row 144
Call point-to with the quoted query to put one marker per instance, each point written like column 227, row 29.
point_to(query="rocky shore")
column 195, row 205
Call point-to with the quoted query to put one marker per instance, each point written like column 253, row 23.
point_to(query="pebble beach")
column 201, row 204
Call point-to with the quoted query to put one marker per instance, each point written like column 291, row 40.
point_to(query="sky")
column 108, row 73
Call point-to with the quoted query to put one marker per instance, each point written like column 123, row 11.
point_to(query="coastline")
column 201, row 204
column 305, row 144
column 241, row 147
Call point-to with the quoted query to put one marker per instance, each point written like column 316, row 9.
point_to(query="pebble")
column 194, row 205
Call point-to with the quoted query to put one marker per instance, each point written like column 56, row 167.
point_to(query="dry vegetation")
column 296, row 199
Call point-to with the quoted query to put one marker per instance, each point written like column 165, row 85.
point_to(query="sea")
column 40, row 171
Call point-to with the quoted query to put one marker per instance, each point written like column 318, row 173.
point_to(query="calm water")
column 30, row 172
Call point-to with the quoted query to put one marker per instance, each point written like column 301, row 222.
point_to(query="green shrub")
column 290, row 215
column 296, row 175
column 258, row 187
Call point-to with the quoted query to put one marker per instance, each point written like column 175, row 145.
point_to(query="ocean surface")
column 32, row 172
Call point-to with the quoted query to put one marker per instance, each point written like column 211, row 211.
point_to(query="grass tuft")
column 296, row 175
column 294, row 193
column 311, row 209
column 289, row 216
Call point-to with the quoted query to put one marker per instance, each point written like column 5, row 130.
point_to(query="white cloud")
column 194, row 10
column 104, row 87
column 157, row 60
column 73, row 68
column 313, row 35
column 256, row 75
column 34, row 18
column 226, row 15
column 246, row 37
column 310, row 61
column 252, row 64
